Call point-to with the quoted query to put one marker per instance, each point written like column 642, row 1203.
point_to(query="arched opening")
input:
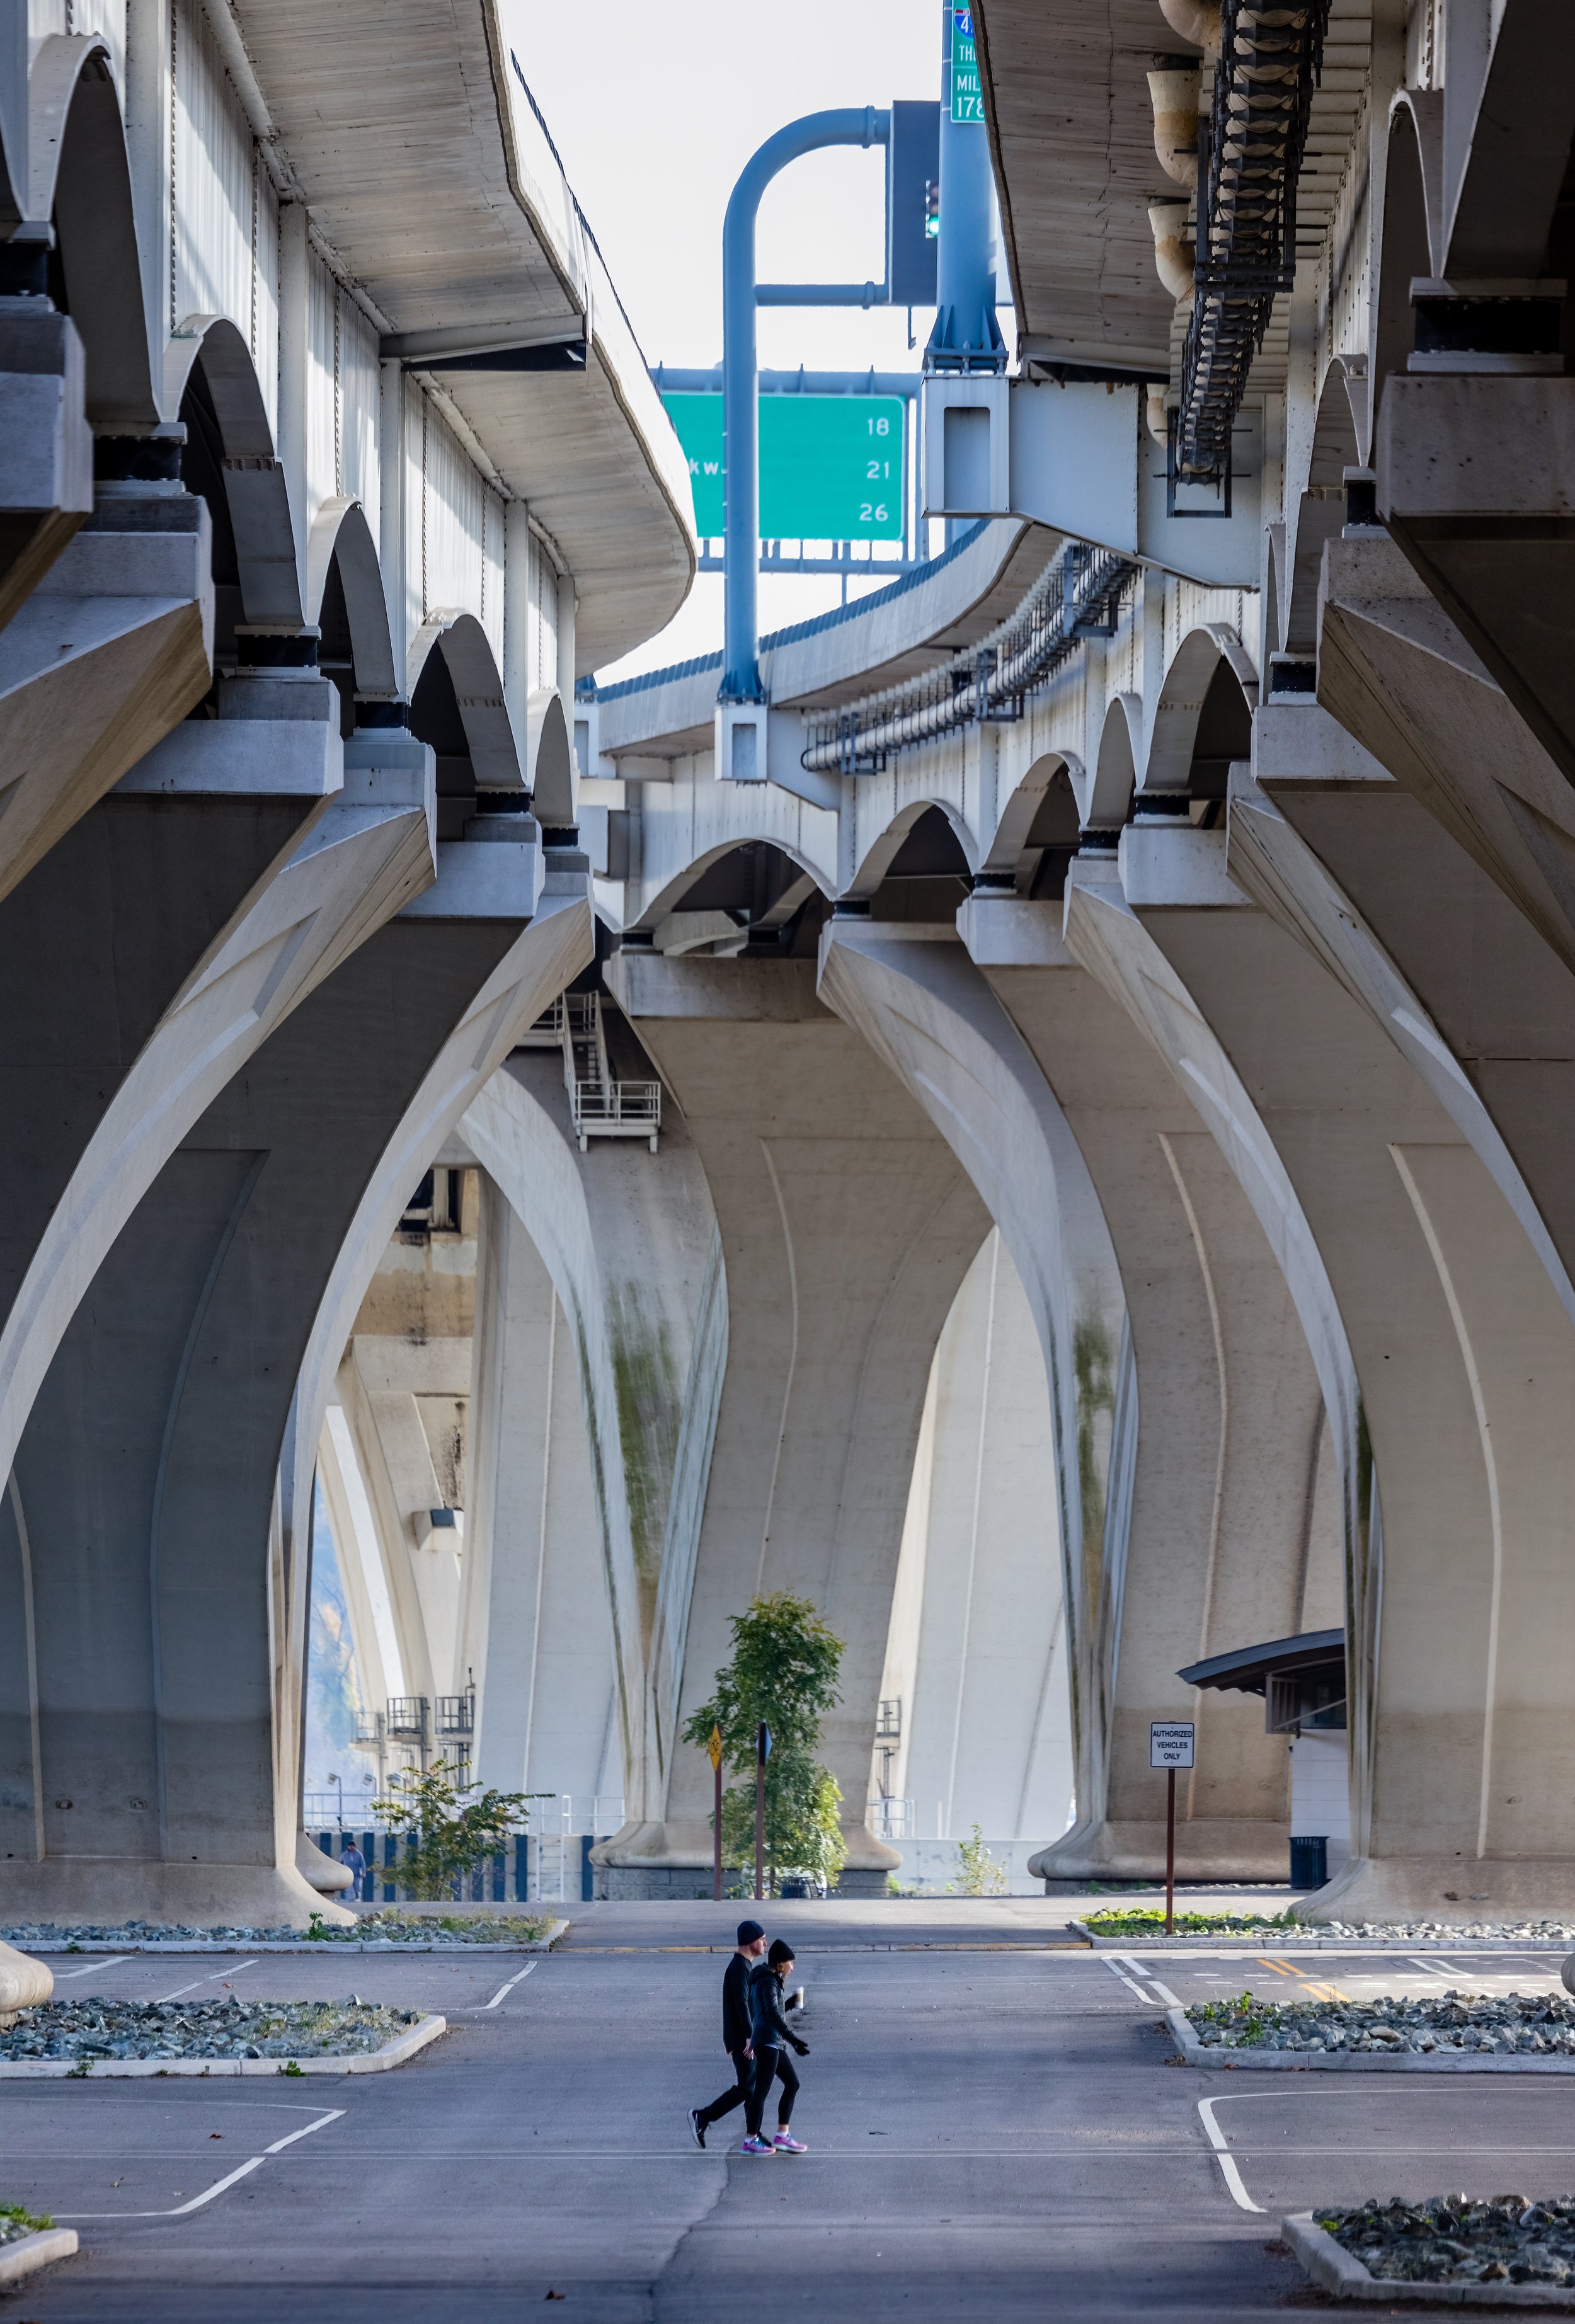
column 1319, row 510
column 435, row 719
column 97, row 277
column 921, row 868
column 1404, row 242
column 344, row 599
column 1223, row 734
column 1050, row 842
column 1105, row 799
column 773, row 907
column 228, row 459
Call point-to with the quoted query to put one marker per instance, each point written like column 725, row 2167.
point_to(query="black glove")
column 802, row 2048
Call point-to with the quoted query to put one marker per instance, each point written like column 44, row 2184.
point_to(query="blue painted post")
column 741, row 427
column 390, row 1857
column 522, row 1868
column 966, row 336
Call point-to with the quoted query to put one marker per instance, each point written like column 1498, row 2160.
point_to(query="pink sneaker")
column 783, row 2145
column 757, row 2146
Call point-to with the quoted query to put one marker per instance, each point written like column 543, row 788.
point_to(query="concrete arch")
column 1105, row 799
column 1174, row 734
column 1409, row 227
column 550, row 759
column 340, row 532
column 253, row 478
column 478, row 693
column 1015, row 820
column 1320, row 510
column 670, row 897
column 879, row 858
column 80, row 176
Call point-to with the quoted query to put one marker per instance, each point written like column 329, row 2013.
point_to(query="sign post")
column 1170, row 1747
column 714, row 1752
column 762, row 1753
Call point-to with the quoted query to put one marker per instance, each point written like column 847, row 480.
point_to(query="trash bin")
column 1310, row 1862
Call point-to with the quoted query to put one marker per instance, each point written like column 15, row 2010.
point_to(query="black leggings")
column 770, row 2063
column 744, row 2072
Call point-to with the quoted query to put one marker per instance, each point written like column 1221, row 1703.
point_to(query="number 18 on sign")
column 1170, row 1747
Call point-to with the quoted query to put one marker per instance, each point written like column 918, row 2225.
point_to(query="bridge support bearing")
column 110, row 650
column 156, row 1598
column 1466, row 1360
column 846, row 1229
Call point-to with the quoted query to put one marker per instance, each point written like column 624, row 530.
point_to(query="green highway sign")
column 967, row 96
column 832, row 467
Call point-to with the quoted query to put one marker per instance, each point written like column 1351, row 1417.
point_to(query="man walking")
column 736, row 2029
column 354, row 1863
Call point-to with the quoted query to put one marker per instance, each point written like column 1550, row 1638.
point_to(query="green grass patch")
column 15, row 2223
column 1114, row 1920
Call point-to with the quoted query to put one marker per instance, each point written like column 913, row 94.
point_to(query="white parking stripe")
column 1115, row 1968
column 502, row 1990
column 196, row 1981
column 1227, row 2171
column 64, row 1976
column 242, row 2171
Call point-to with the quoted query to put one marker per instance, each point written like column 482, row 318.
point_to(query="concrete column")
column 846, row 1227
column 1462, row 1774
column 976, row 1656
column 163, row 1601
column 295, row 369
column 1220, row 1548
column 538, row 1624
column 628, row 1240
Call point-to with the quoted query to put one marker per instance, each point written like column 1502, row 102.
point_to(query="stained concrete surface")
column 993, row 2134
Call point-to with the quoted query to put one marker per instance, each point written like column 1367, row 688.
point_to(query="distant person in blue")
column 354, row 1863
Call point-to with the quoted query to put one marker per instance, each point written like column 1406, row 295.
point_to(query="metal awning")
column 1249, row 1670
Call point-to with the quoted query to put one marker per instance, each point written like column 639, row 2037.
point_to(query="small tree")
column 978, row 1872
column 783, row 1671
column 451, row 1835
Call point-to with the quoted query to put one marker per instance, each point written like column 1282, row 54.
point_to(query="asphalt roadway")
column 995, row 2132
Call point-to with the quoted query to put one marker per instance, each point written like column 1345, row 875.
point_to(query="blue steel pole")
column 965, row 336
column 741, row 447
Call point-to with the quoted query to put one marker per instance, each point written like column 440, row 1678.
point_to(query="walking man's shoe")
column 757, row 2145
column 697, row 2124
column 785, row 2144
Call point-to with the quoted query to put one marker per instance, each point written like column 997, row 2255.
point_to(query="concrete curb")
column 30, row 2253
column 1332, row 2267
column 1280, row 1940
column 1355, row 2062
column 329, row 1948
column 396, row 2052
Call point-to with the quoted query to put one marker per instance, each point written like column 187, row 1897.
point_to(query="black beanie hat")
column 747, row 1930
column 780, row 1951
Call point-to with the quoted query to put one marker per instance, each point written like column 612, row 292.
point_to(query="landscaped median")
column 1461, row 2032
column 391, row 1931
column 1452, row 2252
column 28, row 2244
column 1116, row 1927
column 94, row 2038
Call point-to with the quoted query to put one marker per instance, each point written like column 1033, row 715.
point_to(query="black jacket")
column 735, row 2004
column 768, row 2029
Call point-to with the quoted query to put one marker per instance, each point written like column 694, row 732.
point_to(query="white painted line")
column 1164, row 1993
column 1112, row 1964
column 196, row 1981
column 502, row 1990
column 92, row 1970
column 1227, row 2171
column 242, row 2171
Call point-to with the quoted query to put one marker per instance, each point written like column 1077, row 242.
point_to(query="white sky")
column 655, row 111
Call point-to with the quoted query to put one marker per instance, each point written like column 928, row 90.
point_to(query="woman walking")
column 769, row 2035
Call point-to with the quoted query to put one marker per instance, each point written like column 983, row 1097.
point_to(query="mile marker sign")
column 1170, row 1742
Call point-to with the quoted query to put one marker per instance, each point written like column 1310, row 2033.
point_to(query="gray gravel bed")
column 1139, row 1927
column 392, row 1927
column 92, row 2028
column 1518, row 2024
column 1452, row 2239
